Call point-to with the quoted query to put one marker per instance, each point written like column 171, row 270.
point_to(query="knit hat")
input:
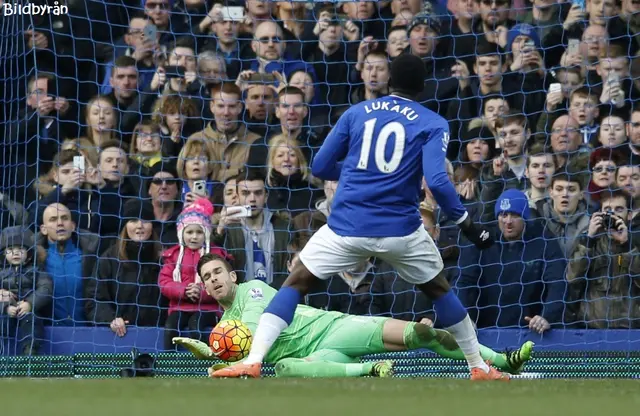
column 17, row 237
column 198, row 213
column 513, row 201
column 137, row 209
column 428, row 19
column 523, row 29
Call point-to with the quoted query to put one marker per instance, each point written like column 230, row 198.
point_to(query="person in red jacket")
column 189, row 304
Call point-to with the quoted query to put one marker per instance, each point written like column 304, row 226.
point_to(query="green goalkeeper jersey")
column 300, row 339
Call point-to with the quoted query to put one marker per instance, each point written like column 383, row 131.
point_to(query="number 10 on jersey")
column 392, row 128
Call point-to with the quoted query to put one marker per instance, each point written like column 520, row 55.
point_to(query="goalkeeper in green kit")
column 329, row 344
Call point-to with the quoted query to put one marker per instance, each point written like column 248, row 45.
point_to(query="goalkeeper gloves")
column 198, row 348
column 478, row 234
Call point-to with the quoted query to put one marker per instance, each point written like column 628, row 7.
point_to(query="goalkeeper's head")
column 220, row 281
column 407, row 76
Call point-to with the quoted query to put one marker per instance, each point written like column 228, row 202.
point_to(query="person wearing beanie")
column 126, row 288
column 521, row 276
column 189, row 305
column 19, row 303
column 524, row 45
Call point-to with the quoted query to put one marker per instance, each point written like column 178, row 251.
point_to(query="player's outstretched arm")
column 435, row 172
column 326, row 165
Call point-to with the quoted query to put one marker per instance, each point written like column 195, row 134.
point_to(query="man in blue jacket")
column 520, row 280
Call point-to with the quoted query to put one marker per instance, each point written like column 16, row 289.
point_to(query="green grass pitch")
column 326, row 397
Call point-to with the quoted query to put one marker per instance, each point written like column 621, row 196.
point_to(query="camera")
column 609, row 221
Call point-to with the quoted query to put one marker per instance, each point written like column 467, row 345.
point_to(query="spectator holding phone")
column 602, row 267
column 524, row 44
column 195, row 164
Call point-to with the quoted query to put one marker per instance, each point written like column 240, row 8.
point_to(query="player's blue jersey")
column 387, row 145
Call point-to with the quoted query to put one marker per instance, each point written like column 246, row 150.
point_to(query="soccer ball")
column 230, row 340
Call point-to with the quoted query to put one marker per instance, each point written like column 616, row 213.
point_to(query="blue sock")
column 284, row 304
column 449, row 309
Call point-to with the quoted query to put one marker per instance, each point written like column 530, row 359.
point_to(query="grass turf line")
column 283, row 397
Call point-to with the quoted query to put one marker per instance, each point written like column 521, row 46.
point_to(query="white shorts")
column 415, row 257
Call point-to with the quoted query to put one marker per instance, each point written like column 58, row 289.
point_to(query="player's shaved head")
column 407, row 75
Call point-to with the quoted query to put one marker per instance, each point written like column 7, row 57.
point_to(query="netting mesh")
column 118, row 115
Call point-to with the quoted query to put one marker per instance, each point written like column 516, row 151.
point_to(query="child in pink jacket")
column 189, row 304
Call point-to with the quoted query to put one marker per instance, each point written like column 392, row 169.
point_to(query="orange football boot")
column 478, row 374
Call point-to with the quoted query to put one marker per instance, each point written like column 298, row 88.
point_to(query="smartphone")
column 78, row 163
column 52, row 87
column 573, row 47
column 613, row 78
column 174, row 71
column 579, row 3
column 266, row 78
column 233, row 13
column 150, row 32
column 241, row 212
column 555, row 87
column 200, row 188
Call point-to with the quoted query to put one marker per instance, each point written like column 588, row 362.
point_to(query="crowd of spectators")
column 136, row 132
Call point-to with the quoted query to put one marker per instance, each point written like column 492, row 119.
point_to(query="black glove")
column 479, row 235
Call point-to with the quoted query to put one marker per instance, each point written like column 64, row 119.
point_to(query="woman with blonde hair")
column 195, row 163
column 101, row 120
column 291, row 186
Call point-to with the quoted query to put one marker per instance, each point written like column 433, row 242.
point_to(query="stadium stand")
column 121, row 117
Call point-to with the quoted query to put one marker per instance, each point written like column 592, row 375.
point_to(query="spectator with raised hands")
column 259, row 241
column 365, row 17
column 136, row 45
column 225, row 39
column 37, row 131
column 602, row 268
column 617, row 89
column 72, row 187
column 524, row 45
column 195, row 163
column 330, row 55
column 182, row 75
column 178, row 118
column 478, row 148
column 124, row 291
column 565, row 211
column 289, row 181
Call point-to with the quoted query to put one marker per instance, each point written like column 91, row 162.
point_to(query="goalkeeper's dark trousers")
column 197, row 323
